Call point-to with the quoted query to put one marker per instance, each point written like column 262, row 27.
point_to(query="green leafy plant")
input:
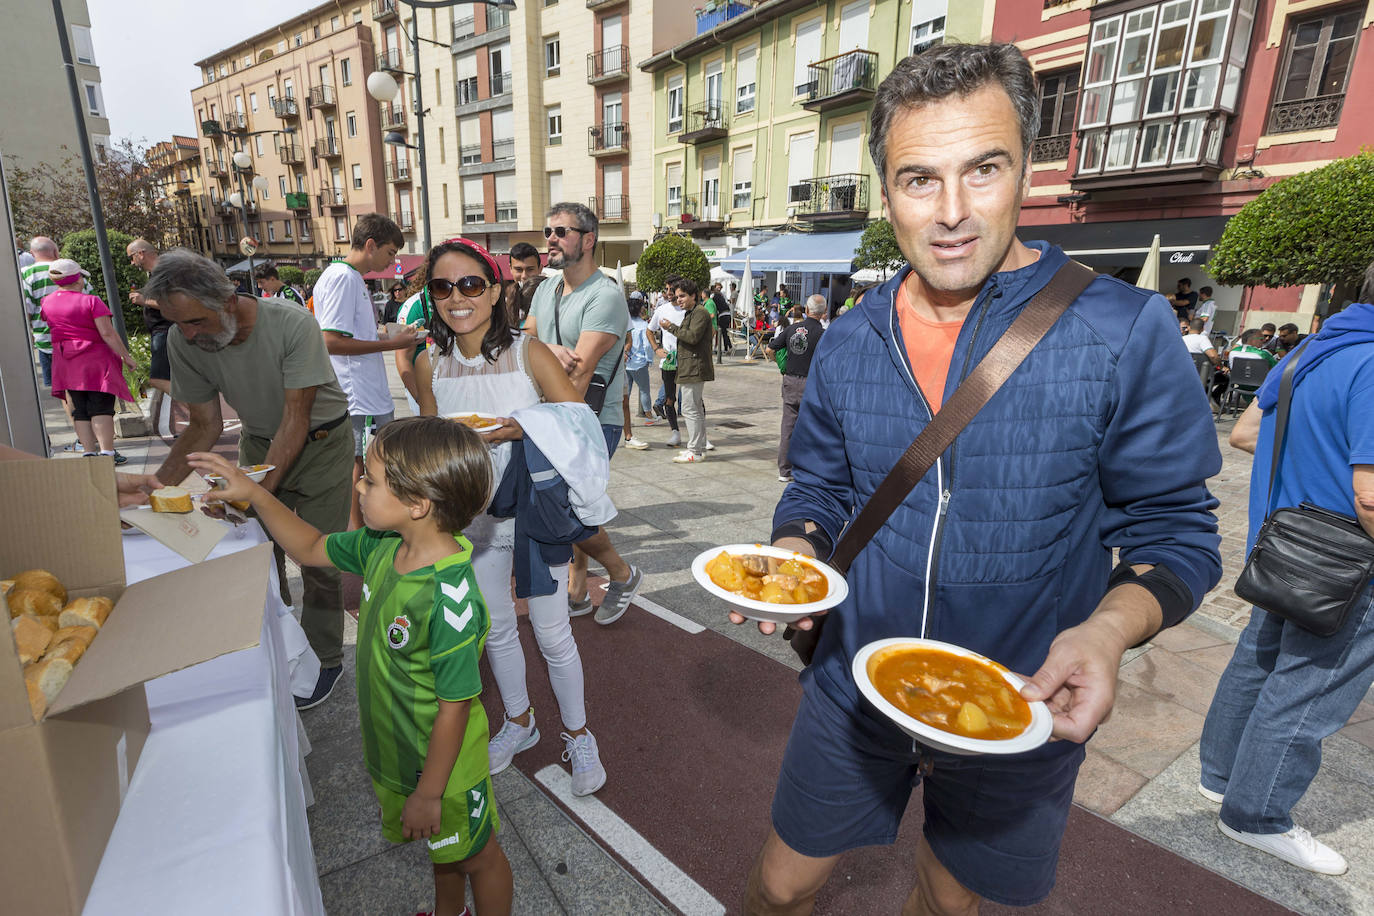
column 672, row 255
column 878, row 248
column 291, row 276
column 141, row 349
column 312, row 277
column 80, row 246
column 1317, row 227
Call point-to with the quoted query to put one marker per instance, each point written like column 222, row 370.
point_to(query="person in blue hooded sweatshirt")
column 1101, row 439
column 1285, row 689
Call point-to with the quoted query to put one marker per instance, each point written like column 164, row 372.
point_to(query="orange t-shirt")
column 929, row 347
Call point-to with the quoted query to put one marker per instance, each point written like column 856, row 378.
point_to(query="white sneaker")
column 1208, row 794
column 1297, row 847
column 509, row 741
column 688, row 458
column 588, row 774
column 636, row 443
column 675, row 439
column 709, row 446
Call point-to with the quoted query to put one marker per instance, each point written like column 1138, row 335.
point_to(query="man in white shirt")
column 1198, row 342
column 343, row 307
column 665, row 348
column 1206, row 308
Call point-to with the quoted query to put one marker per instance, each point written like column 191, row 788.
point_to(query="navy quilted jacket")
column 1102, row 438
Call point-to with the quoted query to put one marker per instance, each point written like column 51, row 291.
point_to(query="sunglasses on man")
column 561, row 231
column 470, row 286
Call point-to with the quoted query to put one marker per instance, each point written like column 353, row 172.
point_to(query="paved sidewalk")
column 1140, row 773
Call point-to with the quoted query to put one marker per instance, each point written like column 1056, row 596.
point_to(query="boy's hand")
column 420, row 816
column 237, row 485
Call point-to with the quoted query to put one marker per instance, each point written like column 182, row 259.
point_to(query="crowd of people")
column 1005, row 547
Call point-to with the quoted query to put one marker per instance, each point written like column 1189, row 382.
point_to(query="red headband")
column 481, row 253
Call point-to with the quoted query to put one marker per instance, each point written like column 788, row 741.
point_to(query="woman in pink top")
column 87, row 357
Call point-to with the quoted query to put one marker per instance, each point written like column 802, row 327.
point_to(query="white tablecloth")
column 214, row 820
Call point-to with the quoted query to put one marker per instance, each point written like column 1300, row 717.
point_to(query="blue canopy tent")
column 802, row 252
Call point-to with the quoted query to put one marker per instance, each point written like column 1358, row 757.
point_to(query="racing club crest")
column 398, row 633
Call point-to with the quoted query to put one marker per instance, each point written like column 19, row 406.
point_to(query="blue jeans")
column 639, row 378
column 45, row 363
column 1282, row 693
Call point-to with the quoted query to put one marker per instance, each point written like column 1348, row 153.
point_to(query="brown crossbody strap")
column 1067, row 284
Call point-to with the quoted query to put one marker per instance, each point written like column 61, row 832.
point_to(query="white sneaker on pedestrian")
column 675, row 439
column 509, row 741
column 785, row 478
column 688, row 458
column 636, row 443
column 1208, row 794
column 709, row 446
column 588, row 774
column 1297, row 847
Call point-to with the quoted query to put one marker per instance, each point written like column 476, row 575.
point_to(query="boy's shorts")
column 467, row 820
column 995, row 823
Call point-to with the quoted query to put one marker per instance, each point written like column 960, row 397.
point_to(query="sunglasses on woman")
column 560, row 231
column 470, row 286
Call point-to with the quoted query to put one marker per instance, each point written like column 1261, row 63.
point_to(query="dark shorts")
column 995, row 823
column 612, row 434
column 160, row 367
column 45, row 363
column 87, row 404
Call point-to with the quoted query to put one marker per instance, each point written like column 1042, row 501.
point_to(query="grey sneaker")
column 618, row 598
column 588, row 774
column 578, row 607
column 509, row 741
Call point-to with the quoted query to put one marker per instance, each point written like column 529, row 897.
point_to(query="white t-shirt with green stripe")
column 38, row 285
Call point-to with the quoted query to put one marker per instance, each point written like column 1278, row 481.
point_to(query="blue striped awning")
column 803, row 252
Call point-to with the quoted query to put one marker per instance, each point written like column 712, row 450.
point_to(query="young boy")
column 421, row 629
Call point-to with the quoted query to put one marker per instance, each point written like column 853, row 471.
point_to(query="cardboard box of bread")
column 73, row 715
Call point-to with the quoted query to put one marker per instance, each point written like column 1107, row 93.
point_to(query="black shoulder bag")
column 1309, row 565
column 1067, row 284
column 596, row 388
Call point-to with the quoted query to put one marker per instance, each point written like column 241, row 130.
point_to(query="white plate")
column 1036, row 734
column 837, row 588
column 256, row 476
column 475, row 413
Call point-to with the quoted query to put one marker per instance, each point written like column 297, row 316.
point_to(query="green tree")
column 312, row 276
column 672, row 255
column 1317, row 227
column 878, row 248
column 291, row 276
column 81, row 247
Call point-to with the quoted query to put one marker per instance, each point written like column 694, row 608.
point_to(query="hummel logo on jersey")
column 398, row 633
column 367, row 592
column 479, row 804
column 458, row 595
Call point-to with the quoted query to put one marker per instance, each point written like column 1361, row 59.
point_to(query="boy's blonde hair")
column 439, row 460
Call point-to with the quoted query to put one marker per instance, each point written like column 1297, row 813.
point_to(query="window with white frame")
column 351, row 123
column 806, row 51
column 286, row 229
column 553, row 55
column 927, row 34
column 746, row 68
column 357, row 176
column 271, row 231
column 675, row 104
column 219, row 234
column 82, row 47
column 673, row 181
column 506, row 211
column 340, row 228
column 474, row 208
column 95, row 101
column 555, row 188
column 742, row 171
column 470, row 140
column 503, row 133
column 346, row 71
column 281, row 185
column 305, row 230
column 257, row 146
column 553, row 118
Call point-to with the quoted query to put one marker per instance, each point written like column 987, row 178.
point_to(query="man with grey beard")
column 268, row 360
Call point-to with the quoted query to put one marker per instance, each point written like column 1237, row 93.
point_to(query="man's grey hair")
column 142, row 245
column 582, row 215
column 41, row 244
column 816, row 306
column 949, row 70
column 1367, row 290
column 195, row 276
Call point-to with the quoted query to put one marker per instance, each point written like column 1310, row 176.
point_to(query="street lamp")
column 383, row 87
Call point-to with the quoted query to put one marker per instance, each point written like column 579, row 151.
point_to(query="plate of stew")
column 769, row 583
column 950, row 698
column 476, row 421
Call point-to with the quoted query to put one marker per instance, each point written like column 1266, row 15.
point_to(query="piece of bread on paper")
column 86, row 612
column 170, row 499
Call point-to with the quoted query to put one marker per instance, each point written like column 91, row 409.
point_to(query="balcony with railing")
column 235, row 121
column 609, row 139
column 466, row 90
column 608, row 65
column 1051, row 149
column 322, row 97
column 503, row 149
column 598, row 4
column 506, row 211
column 1306, row 114
column 398, row 171
column 298, row 200
column 698, row 218
column 613, row 208
column 846, row 79
column 390, row 59
column 497, row 18
column 500, row 83
column 328, row 148
column 211, row 128
column 470, row 154
column 216, row 170
column 391, row 116
column 405, row 219
column 383, row 10
column 291, row 154
column 834, row 198
column 285, row 107
column 333, row 197
column 705, row 123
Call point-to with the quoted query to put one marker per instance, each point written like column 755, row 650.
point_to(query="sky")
column 147, row 53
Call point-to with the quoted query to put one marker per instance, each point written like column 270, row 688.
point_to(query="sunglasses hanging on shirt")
column 470, row 286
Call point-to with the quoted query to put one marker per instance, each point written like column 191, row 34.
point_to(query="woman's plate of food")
column 254, row 472
column 769, row 583
column 476, row 420
column 950, row 698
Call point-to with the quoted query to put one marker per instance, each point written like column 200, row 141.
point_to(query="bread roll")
column 32, row 601
column 43, row 581
column 32, row 637
column 86, row 612
column 37, row 702
column 170, row 499
column 85, row 634
column 49, row 676
column 5, row 586
column 69, row 649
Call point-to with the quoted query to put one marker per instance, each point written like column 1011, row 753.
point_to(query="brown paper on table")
column 192, row 534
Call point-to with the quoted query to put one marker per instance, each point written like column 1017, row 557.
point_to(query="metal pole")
column 84, row 141
column 419, row 122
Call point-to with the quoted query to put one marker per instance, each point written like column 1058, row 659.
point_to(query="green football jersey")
column 419, row 638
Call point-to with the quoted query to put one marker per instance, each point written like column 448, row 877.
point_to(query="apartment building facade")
column 761, row 126
column 175, row 165
column 1167, row 116
column 294, row 98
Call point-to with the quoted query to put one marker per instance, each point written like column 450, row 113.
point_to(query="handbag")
column 1011, row 349
column 1309, row 565
column 596, row 388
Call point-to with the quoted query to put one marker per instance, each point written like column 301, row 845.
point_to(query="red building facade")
column 1167, row 116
